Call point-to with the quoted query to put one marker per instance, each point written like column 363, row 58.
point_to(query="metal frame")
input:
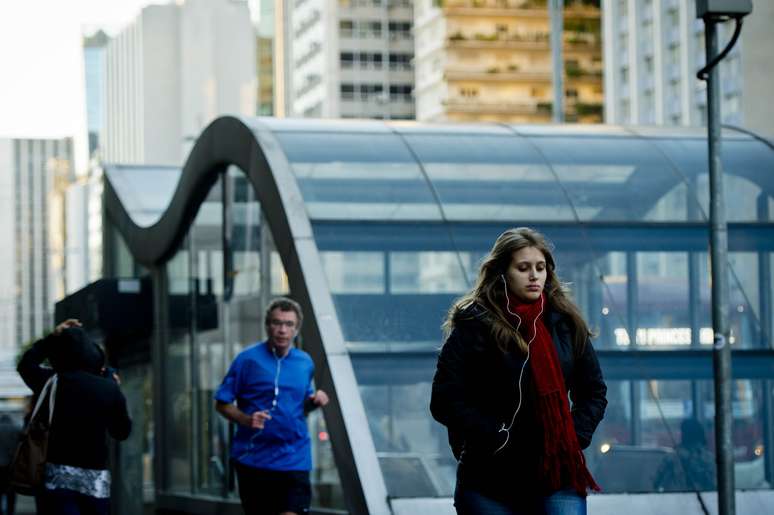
column 249, row 145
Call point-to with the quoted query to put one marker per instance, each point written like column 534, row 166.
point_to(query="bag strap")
column 50, row 384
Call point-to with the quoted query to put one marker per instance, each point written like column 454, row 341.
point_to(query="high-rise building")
column 265, row 47
column 491, row 60
column 32, row 256
column 94, row 68
column 348, row 59
column 170, row 73
column 653, row 49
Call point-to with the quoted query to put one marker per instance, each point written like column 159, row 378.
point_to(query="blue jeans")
column 564, row 502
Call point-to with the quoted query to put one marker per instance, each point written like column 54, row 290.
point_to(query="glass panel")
column 670, row 445
column 429, row 272
column 613, row 179
column 206, row 235
column 245, row 238
column 742, row 162
column 412, row 448
column 354, row 272
column 490, row 177
column 177, row 376
column 744, row 308
column 368, row 176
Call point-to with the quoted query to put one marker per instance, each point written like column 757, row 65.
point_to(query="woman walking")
column 88, row 407
column 516, row 345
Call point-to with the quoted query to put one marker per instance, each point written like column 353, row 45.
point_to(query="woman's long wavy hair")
column 489, row 291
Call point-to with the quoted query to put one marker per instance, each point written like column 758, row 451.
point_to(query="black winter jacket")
column 475, row 391
column 87, row 408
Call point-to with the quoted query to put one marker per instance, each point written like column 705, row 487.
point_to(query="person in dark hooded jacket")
column 516, row 347
column 88, row 408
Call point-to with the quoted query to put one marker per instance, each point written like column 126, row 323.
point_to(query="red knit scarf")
column 562, row 463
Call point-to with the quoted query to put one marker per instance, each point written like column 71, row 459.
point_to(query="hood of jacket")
column 73, row 350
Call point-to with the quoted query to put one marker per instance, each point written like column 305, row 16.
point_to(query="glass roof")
column 370, row 170
column 144, row 191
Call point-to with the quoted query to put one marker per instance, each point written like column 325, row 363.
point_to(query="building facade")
column 264, row 20
column 172, row 71
column 32, row 258
column 348, row 59
column 652, row 51
column 94, row 67
column 491, row 60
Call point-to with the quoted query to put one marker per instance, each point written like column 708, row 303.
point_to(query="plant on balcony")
column 545, row 107
column 487, row 37
column 493, row 69
column 457, row 36
column 573, row 71
column 586, row 109
column 513, row 67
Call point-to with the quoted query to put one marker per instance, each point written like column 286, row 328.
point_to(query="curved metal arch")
column 249, row 145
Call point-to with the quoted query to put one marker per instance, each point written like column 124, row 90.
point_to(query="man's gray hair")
column 284, row 304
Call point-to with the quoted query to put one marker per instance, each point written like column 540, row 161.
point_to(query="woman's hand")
column 70, row 322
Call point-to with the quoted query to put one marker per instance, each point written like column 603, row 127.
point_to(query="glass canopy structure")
column 375, row 228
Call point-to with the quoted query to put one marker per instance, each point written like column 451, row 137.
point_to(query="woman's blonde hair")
column 489, row 291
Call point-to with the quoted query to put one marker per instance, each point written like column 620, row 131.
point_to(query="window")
column 347, row 59
column 347, row 91
column 400, row 92
column 400, row 61
column 346, row 28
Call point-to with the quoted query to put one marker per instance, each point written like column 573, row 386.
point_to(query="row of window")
column 374, row 3
column 364, row 29
column 397, row 92
column 374, row 60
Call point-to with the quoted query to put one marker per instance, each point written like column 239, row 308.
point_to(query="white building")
column 348, row 59
column 32, row 255
column 652, row 51
column 171, row 72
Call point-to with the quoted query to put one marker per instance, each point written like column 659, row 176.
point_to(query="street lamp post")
column 713, row 12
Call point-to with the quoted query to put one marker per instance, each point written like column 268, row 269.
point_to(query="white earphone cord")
column 273, row 401
column 523, row 366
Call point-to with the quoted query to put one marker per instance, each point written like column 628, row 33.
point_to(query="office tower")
column 491, row 60
column 32, row 257
column 173, row 70
column 94, row 66
column 348, row 59
column 653, row 49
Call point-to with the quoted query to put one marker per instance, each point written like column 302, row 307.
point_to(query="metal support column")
column 719, row 260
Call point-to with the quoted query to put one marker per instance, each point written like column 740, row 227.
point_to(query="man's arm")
column 317, row 400
column 29, row 367
column 237, row 416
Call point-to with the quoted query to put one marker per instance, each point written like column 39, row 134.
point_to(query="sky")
column 41, row 64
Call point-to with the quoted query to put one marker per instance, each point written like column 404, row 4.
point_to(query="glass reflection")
column 177, row 355
column 490, row 177
column 613, row 179
column 358, row 176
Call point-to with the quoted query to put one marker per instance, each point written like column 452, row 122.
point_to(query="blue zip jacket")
column 283, row 443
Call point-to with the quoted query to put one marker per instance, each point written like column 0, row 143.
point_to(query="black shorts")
column 269, row 492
